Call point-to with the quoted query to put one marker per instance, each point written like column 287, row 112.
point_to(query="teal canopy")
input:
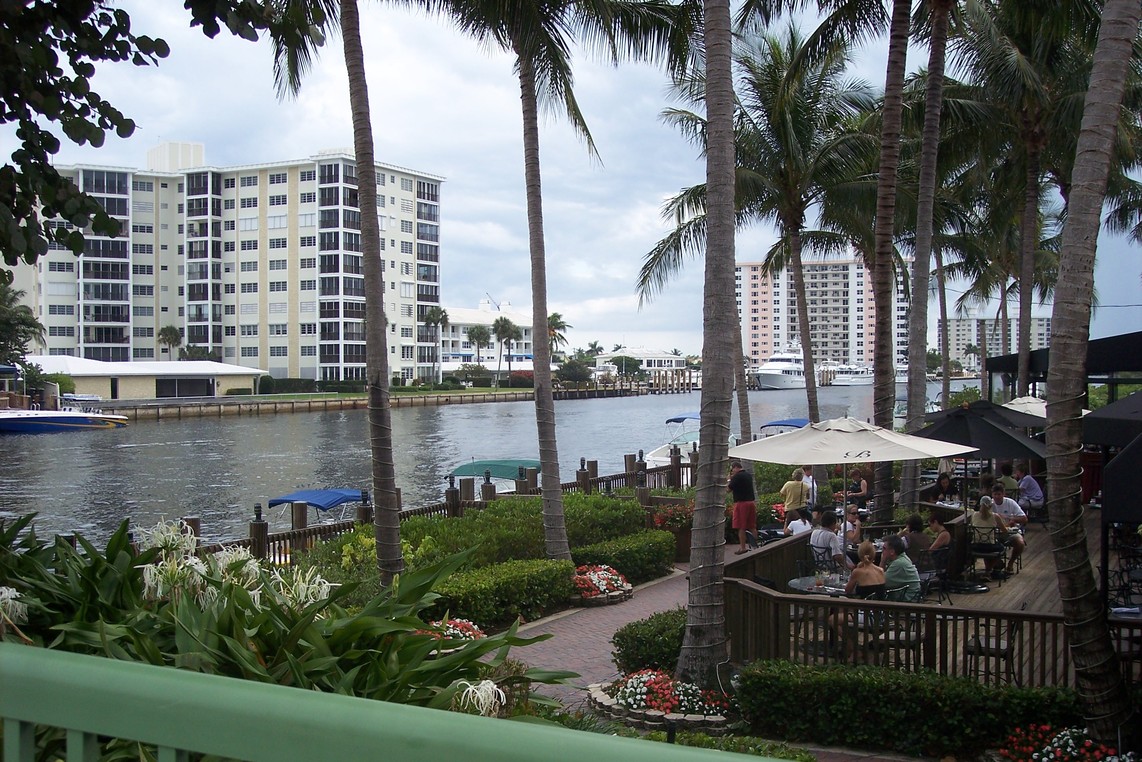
column 504, row 468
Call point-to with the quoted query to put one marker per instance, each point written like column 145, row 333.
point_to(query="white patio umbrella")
column 844, row 440
column 1032, row 406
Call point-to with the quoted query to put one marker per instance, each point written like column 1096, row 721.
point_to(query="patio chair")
column 996, row 642
column 933, row 568
column 822, row 559
column 986, row 544
column 898, row 641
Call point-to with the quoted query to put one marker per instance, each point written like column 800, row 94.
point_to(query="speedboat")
column 683, row 432
column 900, row 411
column 42, row 421
column 783, row 370
column 852, row 375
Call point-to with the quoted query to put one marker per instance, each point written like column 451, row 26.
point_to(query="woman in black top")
column 942, row 491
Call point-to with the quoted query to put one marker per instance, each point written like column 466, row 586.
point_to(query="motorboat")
column 902, row 373
column 852, row 375
column 44, row 421
column 785, row 369
column 900, row 411
column 682, row 432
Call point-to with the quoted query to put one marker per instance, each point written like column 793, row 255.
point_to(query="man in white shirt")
column 1014, row 517
column 825, row 540
column 810, row 484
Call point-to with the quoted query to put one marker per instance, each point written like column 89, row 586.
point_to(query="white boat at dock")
column 852, row 375
column 785, row 369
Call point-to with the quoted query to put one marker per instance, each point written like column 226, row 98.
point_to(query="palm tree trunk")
column 554, row 529
column 704, row 644
column 793, row 230
column 945, row 354
column 1097, row 673
column 1029, row 242
column 884, row 382
column 918, row 312
column 386, row 521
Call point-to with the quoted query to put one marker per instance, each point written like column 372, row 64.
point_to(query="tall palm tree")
column 539, row 35
column 437, row 317
column 595, row 349
column 170, row 336
column 19, row 325
column 1097, row 671
column 504, row 330
column 556, row 326
column 479, row 336
column 793, row 145
column 293, row 55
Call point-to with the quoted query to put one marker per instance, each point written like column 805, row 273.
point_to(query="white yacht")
column 852, row 375
column 785, row 369
column 902, row 373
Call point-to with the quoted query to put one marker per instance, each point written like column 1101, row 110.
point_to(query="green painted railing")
column 184, row 713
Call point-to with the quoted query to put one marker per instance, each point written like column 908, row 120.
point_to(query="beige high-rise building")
column 969, row 335
column 841, row 311
column 260, row 264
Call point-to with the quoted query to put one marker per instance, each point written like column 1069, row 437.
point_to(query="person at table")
column 800, row 522
column 986, row 519
column 852, row 525
column 794, row 496
column 866, row 581
column 1009, row 482
column 900, row 575
column 1030, row 493
column 740, row 485
column 942, row 491
column 915, row 540
column 943, row 536
column 826, row 542
column 857, row 493
column 1014, row 519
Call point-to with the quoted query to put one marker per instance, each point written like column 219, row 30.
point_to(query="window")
column 278, row 285
column 249, row 267
column 308, row 285
column 306, row 220
column 231, row 331
column 305, row 262
column 406, row 331
column 143, row 311
column 307, row 175
column 228, row 246
column 307, row 240
column 250, row 203
column 279, row 200
column 61, row 267
column 249, row 181
column 249, row 288
column 142, row 228
column 61, row 330
column 142, row 332
column 406, row 184
column 143, row 352
column 276, row 221
column 279, row 351
column 308, row 329
column 279, row 329
column 229, row 309
column 250, row 329
column 277, row 243
column 138, row 290
column 406, row 226
column 145, row 186
column 277, row 264
column 308, row 197
column 278, row 308
column 228, row 225
column 276, row 178
column 248, row 223
column 406, row 353
column 61, row 309
column 228, row 203
column 251, row 245
column 228, row 182
column 406, row 247
column 249, row 351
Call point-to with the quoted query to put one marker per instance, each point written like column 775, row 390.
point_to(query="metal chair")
column 823, row 559
column 900, row 633
column 997, row 643
column 987, row 544
column 933, row 569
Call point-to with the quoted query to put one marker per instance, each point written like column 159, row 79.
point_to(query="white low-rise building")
column 148, row 379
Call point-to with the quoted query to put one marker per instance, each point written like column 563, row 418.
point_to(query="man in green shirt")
column 900, row 576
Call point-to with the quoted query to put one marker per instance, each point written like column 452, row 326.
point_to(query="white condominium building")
column 841, row 310
column 259, row 264
column 457, row 349
column 968, row 335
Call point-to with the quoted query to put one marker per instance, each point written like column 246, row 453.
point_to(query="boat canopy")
column 682, row 417
column 503, row 468
column 792, row 423
column 322, row 499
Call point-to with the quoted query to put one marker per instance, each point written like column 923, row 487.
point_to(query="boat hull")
column 46, row 421
column 778, row 380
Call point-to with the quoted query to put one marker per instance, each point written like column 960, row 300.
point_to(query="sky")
column 444, row 105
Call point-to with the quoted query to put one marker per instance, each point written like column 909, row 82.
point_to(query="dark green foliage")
column 651, row 643
column 768, row 477
column 350, row 387
column 640, row 557
column 758, row 747
column 574, row 371
column 495, row 596
column 267, row 385
column 293, row 385
column 481, row 382
column 239, row 391
column 917, row 713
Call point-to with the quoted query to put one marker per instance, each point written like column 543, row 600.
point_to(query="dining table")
column 823, row 584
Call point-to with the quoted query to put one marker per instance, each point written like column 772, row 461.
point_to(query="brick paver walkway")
column 581, row 643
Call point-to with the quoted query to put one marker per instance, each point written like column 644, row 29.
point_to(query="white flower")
column 10, row 606
column 301, row 588
column 172, row 537
column 485, row 697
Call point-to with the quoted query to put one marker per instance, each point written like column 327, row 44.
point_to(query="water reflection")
column 218, row 468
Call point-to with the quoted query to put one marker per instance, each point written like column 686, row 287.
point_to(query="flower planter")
column 604, row 599
column 653, row 719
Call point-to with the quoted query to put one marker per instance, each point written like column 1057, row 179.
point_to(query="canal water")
column 218, row 468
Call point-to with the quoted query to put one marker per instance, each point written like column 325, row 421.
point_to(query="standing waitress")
column 740, row 485
column 858, row 490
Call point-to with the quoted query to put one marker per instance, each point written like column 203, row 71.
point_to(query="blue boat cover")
column 796, row 423
column 695, row 416
column 322, row 499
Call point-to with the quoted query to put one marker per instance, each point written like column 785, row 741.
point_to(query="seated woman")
column 943, row 536
column 941, row 492
column 914, row 537
column 799, row 522
column 983, row 520
column 865, row 581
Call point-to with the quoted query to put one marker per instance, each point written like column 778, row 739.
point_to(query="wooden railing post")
column 259, row 534
column 193, row 525
column 452, row 499
column 468, row 488
column 583, row 477
column 628, row 464
column 488, row 488
column 593, row 469
column 365, row 509
column 675, row 467
column 298, row 515
column 532, row 477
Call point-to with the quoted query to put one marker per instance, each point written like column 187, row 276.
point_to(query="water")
column 218, row 468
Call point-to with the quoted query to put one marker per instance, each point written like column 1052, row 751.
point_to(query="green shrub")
column 758, row 747
column 768, row 477
column 651, row 643
column 495, row 596
column 481, row 382
column 917, row 713
column 238, row 391
column 294, row 385
column 266, row 384
column 640, row 557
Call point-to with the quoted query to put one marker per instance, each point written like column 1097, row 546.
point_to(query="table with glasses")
column 820, row 584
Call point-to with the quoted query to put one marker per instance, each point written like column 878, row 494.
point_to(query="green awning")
column 504, row 468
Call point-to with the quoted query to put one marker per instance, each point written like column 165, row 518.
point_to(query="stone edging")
column 616, row 596
column 653, row 719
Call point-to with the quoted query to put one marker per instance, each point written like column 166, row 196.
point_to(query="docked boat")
column 784, row 369
column 852, row 375
column 900, row 411
column 44, row 421
column 902, row 373
column 682, row 432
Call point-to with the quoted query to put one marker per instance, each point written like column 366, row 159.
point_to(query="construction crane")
column 493, row 301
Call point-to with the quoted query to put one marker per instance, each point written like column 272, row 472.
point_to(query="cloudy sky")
column 444, row 105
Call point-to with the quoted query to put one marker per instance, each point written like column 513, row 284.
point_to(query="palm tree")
column 19, row 326
column 437, row 317
column 538, row 35
column 556, row 326
column 1098, row 675
column 479, row 336
column 504, row 330
column 595, row 349
column 170, row 336
column 292, row 57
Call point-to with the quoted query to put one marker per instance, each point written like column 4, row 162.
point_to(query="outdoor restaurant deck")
column 1013, row 632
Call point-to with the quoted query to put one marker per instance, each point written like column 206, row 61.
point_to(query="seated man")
column 1014, row 517
column 1030, row 493
column 825, row 541
column 900, row 575
column 1009, row 482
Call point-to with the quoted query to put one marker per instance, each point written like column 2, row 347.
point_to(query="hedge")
column 640, row 557
column 651, row 643
column 494, row 596
column 916, row 713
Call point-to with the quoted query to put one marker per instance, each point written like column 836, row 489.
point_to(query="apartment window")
column 142, row 248
column 307, row 220
column 307, row 175
column 249, row 288
column 228, row 182
column 308, row 285
column 61, row 267
column 61, row 309
column 279, row 351
column 278, row 329
column 228, row 246
column 229, row 308
column 406, row 353
column 251, row 245
column 248, row 224
column 276, row 221
column 406, row 331
column 307, row 240
column 278, row 285
column 228, row 203
column 61, row 330
column 142, row 228
column 406, row 226
column 276, row 178
column 249, row 351
column 279, row 200
column 143, row 353
column 306, row 262
column 308, row 197
column 249, row 181
column 406, row 247
column 228, row 225
column 145, row 186
column 249, row 267
column 278, row 308
column 308, row 329
column 277, row 243
column 250, row 203
column 142, row 332
column 406, row 184
column 143, row 311
column 138, row 290
column 250, row 329
column 277, row 264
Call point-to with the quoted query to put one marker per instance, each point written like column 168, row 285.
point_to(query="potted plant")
column 678, row 519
